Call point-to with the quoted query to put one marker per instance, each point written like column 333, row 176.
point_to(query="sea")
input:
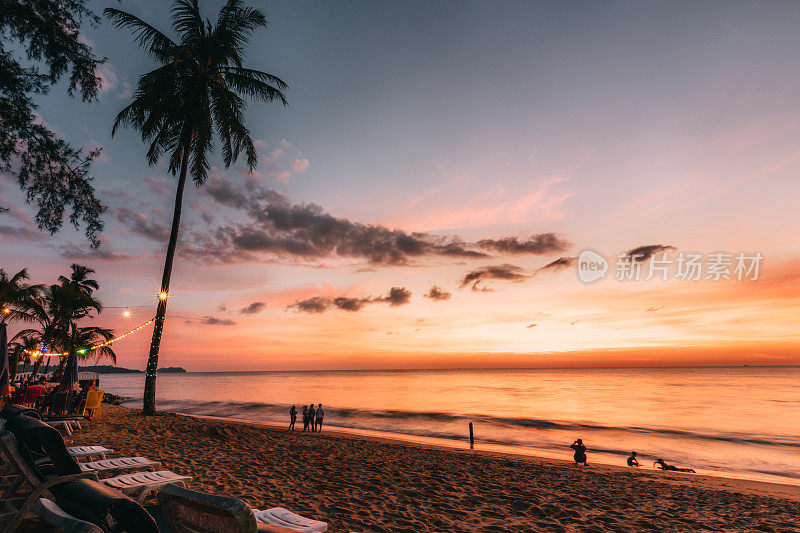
column 741, row 422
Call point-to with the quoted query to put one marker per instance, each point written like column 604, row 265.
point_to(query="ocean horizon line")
column 646, row 367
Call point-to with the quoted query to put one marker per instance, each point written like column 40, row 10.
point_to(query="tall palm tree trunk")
column 149, row 400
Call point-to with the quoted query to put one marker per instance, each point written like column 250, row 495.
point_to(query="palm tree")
column 198, row 90
column 80, row 278
column 56, row 313
column 20, row 348
column 81, row 338
column 15, row 294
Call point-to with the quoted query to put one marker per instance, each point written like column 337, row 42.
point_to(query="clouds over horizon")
column 276, row 226
column 437, row 293
column 513, row 273
column 253, row 308
column 646, row 251
column 505, row 272
column 318, row 304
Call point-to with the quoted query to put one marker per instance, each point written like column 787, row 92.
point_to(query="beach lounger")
column 142, row 483
column 16, row 502
column 67, row 424
column 88, row 451
column 288, row 519
column 119, row 463
column 51, row 513
column 88, row 502
column 43, row 446
column 186, row 510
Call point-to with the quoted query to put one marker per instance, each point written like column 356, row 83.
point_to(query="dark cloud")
column 104, row 252
column 214, row 321
column 318, row 304
column 506, row 272
column 543, row 243
column 559, row 264
column 253, row 308
column 16, row 233
column 396, row 296
column 222, row 307
column 139, row 224
column 646, row 251
column 437, row 293
column 225, row 192
column 350, row 304
column 278, row 227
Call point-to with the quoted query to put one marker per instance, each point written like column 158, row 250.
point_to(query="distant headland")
column 109, row 369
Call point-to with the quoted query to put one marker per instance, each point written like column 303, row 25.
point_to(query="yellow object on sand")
column 94, row 399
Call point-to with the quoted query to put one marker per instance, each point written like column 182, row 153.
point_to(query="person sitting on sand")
column 305, row 418
column 580, row 452
column 632, row 460
column 320, row 416
column 312, row 421
column 671, row 468
column 292, row 417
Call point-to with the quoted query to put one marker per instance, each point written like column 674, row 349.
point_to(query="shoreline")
column 358, row 483
column 719, row 482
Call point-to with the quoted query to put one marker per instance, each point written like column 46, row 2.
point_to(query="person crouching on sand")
column 292, row 417
column 312, row 421
column 320, row 416
column 671, row 468
column 580, row 452
column 305, row 418
column 632, row 460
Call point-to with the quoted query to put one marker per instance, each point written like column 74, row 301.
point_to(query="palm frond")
column 156, row 43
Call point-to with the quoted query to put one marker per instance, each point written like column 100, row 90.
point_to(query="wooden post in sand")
column 471, row 437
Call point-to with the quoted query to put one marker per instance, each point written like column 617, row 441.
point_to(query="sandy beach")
column 367, row 484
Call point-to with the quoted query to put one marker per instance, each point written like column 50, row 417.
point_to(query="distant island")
column 108, row 369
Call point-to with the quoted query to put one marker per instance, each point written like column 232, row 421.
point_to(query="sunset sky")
column 427, row 141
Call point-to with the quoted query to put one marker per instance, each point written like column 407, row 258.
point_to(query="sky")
column 434, row 161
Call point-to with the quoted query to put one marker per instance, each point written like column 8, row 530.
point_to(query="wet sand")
column 370, row 484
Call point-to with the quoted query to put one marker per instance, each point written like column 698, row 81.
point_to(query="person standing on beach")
column 292, row 417
column 312, row 421
column 320, row 416
column 580, row 452
column 305, row 418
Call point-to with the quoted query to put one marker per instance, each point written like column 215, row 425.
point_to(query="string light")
column 162, row 295
column 36, row 353
column 126, row 313
column 6, row 310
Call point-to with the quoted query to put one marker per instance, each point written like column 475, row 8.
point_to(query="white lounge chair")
column 67, row 425
column 140, row 484
column 115, row 464
column 282, row 517
column 188, row 510
column 88, row 451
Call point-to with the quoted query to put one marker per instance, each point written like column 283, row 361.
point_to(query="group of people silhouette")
column 580, row 458
column 312, row 418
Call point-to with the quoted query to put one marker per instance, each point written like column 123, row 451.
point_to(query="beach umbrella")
column 70, row 376
column 5, row 386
